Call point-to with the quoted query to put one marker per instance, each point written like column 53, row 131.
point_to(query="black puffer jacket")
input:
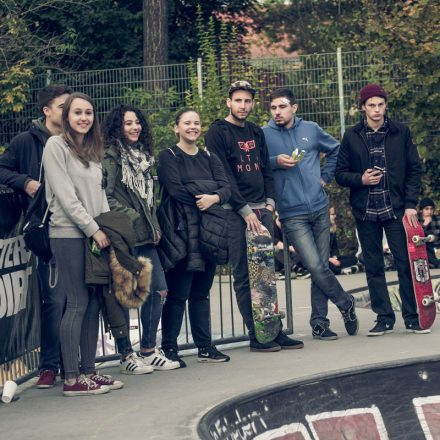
column 402, row 162
column 188, row 232
column 213, row 231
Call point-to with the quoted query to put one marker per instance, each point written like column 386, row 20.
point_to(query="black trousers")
column 194, row 287
column 239, row 263
column 370, row 237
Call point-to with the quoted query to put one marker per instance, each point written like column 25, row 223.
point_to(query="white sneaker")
column 159, row 361
column 133, row 364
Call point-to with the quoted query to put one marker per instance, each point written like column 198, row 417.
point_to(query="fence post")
column 341, row 90
column 48, row 77
column 199, row 77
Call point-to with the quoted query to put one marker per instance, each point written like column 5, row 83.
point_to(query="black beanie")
column 426, row 202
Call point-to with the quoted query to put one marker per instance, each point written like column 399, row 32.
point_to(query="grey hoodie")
column 75, row 194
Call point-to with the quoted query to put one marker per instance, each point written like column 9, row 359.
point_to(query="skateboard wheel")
column 427, row 300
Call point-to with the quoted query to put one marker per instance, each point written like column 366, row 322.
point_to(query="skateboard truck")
column 428, row 300
column 418, row 241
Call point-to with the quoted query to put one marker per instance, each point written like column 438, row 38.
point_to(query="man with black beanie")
column 431, row 226
column 380, row 164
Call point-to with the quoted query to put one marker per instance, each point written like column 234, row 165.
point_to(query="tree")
column 24, row 52
column 403, row 39
column 155, row 32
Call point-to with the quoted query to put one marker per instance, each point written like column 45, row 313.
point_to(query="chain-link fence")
column 326, row 86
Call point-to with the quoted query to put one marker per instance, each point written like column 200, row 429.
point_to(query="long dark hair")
column 92, row 148
column 113, row 128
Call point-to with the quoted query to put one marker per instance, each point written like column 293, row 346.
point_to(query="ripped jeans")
column 151, row 309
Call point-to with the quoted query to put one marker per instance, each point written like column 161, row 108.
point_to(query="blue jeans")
column 53, row 301
column 151, row 309
column 310, row 236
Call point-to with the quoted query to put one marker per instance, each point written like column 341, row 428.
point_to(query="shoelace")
column 102, row 378
column 83, row 380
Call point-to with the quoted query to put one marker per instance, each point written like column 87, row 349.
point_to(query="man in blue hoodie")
column 302, row 204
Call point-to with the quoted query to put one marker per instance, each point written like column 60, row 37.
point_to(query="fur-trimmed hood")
column 131, row 290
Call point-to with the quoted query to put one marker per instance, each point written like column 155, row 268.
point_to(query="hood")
column 40, row 130
column 272, row 124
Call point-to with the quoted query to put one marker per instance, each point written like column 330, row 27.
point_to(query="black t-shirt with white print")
column 244, row 154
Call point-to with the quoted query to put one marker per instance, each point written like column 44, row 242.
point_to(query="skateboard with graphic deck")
column 421, row 278
column 262, row 280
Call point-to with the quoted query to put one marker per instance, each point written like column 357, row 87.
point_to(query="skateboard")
column 261, row 266
column 418, row 261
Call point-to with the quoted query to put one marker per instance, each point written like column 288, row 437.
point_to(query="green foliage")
column 14, row 86
column 218, row 54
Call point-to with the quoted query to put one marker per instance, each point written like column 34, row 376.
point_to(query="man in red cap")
column 380, row 164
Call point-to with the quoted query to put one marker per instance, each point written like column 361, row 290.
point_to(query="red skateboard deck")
column 418, row 261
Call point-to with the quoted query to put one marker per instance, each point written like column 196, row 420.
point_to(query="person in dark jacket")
column 345, row 264
column 20, row 168
column 128, row 162
column 181, row 170
column 241, row 147
column 431, row 225
column 380, row 164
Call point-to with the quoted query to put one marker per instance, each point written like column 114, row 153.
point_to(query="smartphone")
column 382, row 170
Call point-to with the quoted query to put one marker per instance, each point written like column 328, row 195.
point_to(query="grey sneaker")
column 324, row 333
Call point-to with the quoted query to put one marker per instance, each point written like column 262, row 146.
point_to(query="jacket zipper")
column 299, row 172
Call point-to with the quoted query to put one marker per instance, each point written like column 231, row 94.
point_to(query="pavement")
column 168, row 404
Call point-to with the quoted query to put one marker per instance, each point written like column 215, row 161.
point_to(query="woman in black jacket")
column 193, row 184
column 128, row 161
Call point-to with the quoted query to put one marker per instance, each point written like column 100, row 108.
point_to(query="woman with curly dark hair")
column 128, row 160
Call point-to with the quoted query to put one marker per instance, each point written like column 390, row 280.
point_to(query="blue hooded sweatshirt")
column 299, row 190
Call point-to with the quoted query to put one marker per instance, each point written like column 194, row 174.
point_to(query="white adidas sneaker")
column 159, row 361
column 133, row 364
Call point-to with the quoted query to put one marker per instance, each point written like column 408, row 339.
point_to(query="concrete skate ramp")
column 399, row 400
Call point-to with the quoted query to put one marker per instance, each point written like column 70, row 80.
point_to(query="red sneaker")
column 47, row 379
column 105, row 379
column 84, row 386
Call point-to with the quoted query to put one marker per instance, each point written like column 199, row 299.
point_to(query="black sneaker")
column 350, row 319
column 381, row 328
column 257, row 346
column 287, row 343
column 211, row 354
column 172, row 355
column 323, row 332
column 415, row 328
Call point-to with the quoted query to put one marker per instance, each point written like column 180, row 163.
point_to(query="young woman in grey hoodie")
column 75, row 194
